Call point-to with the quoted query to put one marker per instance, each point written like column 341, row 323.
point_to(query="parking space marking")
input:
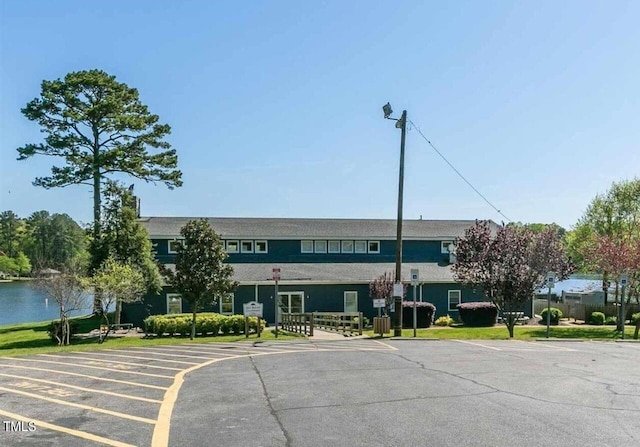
column 81, row 406
column 68, row 431
column 180, row 348
column 106, row 379
column 118, row 362
column 168, row 354
column 477, row 344
column 134, row 357
column 538, row 343
column 79, row 388
column 94, row 367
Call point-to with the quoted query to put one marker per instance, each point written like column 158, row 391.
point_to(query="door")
column 290, row 303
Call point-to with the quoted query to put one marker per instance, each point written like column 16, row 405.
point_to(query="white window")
column 226, row 304
column 233, row 246
column 347, row 246
column 334, row 246
column 173, row 245
column 320, row 246
column 246, row 246
column 224, row 245
column 361, row 246
column 261, row 246
column 374, row 246
column 454, row 299
column 350, row 301
column 174, row 303
column 444, row 246
column 306, row 246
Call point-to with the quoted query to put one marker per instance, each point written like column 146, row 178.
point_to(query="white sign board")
column 415, row 277
column 252, row 309
column 624, row 280
column 551, row 278
column 398, row 289
column 378, row 302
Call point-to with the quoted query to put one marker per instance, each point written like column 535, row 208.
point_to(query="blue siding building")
column 326, row 264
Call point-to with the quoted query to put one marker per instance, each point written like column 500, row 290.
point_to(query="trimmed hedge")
column 424, row 314
column 478, row 313
column 207, row 323
column 597, row 318
column 556, row 314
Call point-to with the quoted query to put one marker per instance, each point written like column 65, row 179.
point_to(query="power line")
column 458, row 172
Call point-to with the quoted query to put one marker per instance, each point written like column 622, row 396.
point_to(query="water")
column 21, row 303
column 573, row 284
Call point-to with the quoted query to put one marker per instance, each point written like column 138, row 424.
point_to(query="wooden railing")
column 298, row 323
column 339, row 321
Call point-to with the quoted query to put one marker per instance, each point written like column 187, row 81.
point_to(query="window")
column 454, row 299
column 351, row 301
column 374, row 246
column 174, row 303
column 306, row 246
column 347, row 246
column 320, row 246
column 246, row 246
column 334, row 246
column 261, row 246
column 226, row 304
column 232, row 246
column 173, row 246
column 444, row 246
column 361, row 246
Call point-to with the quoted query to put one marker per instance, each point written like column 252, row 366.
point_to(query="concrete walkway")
column 326, row 335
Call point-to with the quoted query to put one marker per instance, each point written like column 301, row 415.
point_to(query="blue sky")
column 275, row 106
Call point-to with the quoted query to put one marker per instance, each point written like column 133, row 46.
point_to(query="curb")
column 573, row 340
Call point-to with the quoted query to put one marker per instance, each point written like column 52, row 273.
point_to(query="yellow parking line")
column 94, row 367
column 90, row 390
column 151, row 351
column 136, row 357
column 142, row 365
column 84, row 407
column 125, row 382
column 68, row 431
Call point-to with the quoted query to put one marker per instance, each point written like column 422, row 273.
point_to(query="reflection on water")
column 22, row 303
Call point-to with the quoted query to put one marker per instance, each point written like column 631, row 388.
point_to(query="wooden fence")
column 584, row 311
column 298, row 323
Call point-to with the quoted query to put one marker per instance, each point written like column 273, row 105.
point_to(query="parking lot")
column 360, row 392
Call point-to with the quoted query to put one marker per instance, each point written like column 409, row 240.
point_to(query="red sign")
column 276, row 273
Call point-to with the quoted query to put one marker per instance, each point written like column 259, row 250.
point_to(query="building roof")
column 293, row 228
column 346, row 273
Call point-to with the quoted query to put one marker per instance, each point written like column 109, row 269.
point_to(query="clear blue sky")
column 275, row 106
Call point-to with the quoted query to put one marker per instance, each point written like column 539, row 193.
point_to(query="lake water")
column 21, row 303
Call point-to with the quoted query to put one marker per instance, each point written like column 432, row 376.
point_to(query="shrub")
column 611, row 321
column 556, row 314
column 444, row 321
column 635, row 318
column 597, row 318
column 478, row 314
column 55, row 329
column 424, row 314
column 236, row 323
column 365, row 321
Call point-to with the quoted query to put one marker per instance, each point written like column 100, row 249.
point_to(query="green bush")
column 55, row 328
column 635, row 318
column 444, row 321
column 556, row 315
column 597, row 318
column 207, row 323
column 478, row 314
column 237, row 324
column 611, row 321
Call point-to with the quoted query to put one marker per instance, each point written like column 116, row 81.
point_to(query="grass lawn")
column 32, row 338
column 520, row 333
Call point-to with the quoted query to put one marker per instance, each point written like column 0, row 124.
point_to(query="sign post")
column 252, row 309
column 415, row 278
column 551, row 277
column 276, row 278
column 624, row 279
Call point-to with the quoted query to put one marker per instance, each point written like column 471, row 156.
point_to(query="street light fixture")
column 400, row 124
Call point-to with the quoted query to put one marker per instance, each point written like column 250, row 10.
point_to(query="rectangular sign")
column 252, row 309
column 415, row 277
column 276, row 273
column 378, row 302
column 398, row 289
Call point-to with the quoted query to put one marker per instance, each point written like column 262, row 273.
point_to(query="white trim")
column 171, row 295
column 343, row 249
column 169, row 251
column 242, row 250
column 355, row 247
column 449, row 300
column 289, row 293
column 232, row 295
column 444, row 249
column 302, row 243
column 294, row 282
column 369, row 247
column 237, row 244
column 319, row 250
column 329, row 246
column 266, row 246
column 345, row 300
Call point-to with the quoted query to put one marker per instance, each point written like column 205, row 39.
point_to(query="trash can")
column 381, row 325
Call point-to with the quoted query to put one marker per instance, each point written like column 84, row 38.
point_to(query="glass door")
column 290, row 302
